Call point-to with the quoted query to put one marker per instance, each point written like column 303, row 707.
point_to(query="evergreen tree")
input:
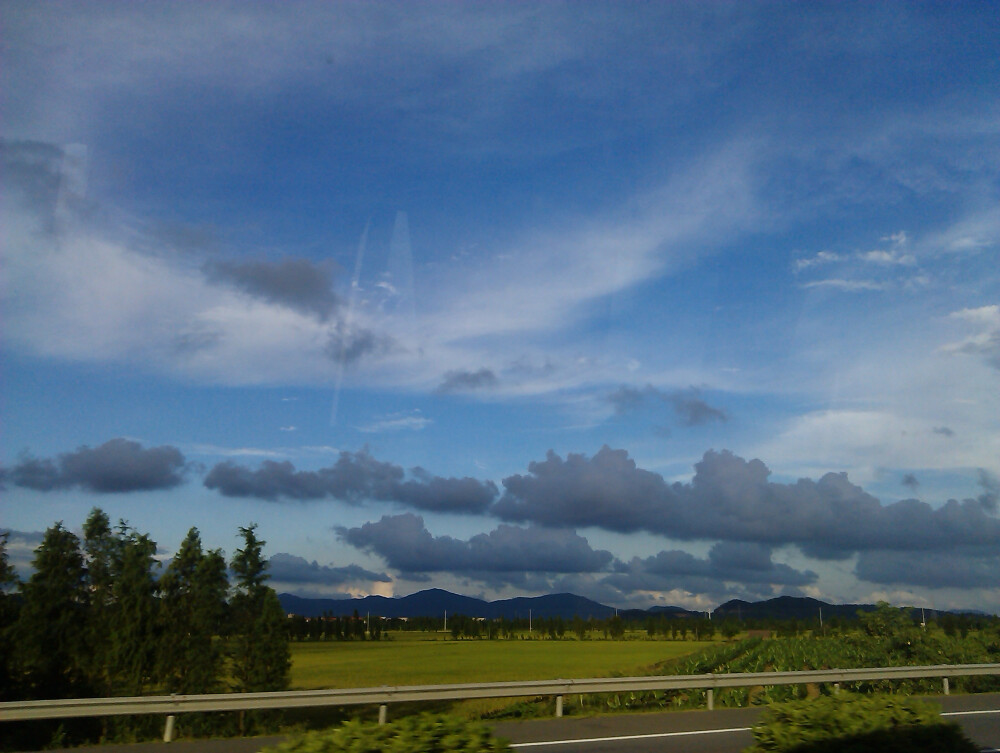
column 133, row 612
column 259, row 645
column 99, row 547
column 8, row 617
column 192, row 608
column 49, row 633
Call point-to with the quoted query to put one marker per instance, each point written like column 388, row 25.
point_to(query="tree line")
column 98, row 618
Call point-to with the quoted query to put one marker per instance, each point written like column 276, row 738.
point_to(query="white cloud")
column 823, row 257
column 973, row 233
column 410, row 421
column 847, row 286
column 888, row 258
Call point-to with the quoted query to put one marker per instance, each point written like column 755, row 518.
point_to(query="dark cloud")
column 688, row 405
column 119, row 465
column 692, row 410
column 405, row 544
column 287, row 568
column 732, row 499
column 990, row 485
column 630, row 399
column 910, row 481
column 727, row 562
column 350, row 347
column 606, row 491
column 427, row 492
column 960, row 568
column 355, row 476
column 944, row 431
column 298, row 284
column 467, row 381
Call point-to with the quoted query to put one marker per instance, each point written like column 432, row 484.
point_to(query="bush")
column 856, row 724
column 427, row 733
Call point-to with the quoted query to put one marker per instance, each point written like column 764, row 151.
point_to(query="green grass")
column 430, row 659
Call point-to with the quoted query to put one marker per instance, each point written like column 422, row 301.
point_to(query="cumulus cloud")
column 118, row 465
column 732, row 499
column 405, row 544
column 297, row 283
column 910, row 481
column 727, row 562
column 355, row 476
column 288, row 568
column 467, row 381
column 960, row 568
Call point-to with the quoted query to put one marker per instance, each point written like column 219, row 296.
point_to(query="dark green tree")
column 99, row 545
column 616, row 628
column 134, row 613
column 8, row 617
column 49, row 633
column 192, row 613
column 259, row 643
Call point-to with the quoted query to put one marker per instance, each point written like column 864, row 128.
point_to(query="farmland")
column 428, row 659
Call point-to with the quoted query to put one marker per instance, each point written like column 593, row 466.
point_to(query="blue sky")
column 658, row 303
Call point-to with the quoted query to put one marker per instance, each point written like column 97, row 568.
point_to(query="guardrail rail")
column 171, row 705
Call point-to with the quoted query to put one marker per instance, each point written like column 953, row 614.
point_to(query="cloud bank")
column 117, row 466
column 353, row 478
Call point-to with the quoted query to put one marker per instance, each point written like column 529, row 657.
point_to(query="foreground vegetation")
column 426, row 733
column 857, row 724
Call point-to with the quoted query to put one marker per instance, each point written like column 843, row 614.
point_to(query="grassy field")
column 430, row 659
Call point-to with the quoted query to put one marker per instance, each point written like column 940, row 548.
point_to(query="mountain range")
column 435, row 601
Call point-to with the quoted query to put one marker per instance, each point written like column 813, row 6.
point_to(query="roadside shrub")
column 426, row 733
column 850, row 723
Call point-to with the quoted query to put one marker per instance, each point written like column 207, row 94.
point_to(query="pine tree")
column 99, row 545
column 49, row 633
column 134, row 634
column 259, row 645
column 8, row 617
column 193, row 607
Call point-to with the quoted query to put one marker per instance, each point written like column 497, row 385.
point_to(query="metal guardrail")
column 382, row 696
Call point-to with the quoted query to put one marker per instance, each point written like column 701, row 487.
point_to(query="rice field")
column 410, row 658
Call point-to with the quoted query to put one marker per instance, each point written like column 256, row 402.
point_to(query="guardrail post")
column 710, row 696
column 946, row 689
column 383, row 711
column 558, row 705
column 168, row 729
column 836, row 688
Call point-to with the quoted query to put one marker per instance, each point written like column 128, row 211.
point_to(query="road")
column 720, row 731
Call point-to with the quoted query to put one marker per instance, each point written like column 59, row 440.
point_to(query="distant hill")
column 787, row 608
column 801, row 608
column 435, row 602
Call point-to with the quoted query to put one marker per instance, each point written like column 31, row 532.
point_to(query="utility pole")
column 446, row 620
column 529, row 621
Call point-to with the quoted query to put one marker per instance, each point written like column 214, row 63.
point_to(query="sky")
column 654, row 303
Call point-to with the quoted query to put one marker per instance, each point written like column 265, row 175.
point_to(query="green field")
column 430, row 659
